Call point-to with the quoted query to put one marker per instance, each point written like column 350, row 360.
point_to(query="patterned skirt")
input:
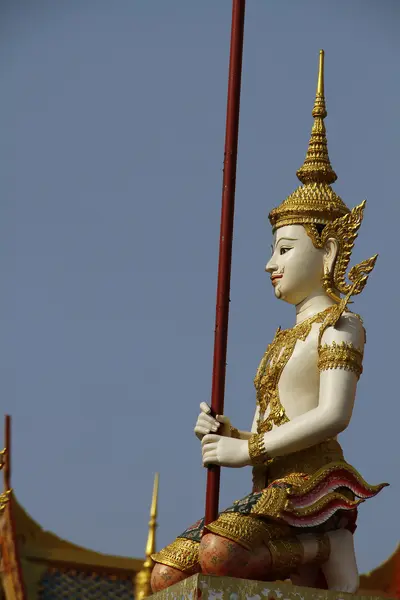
column 314, row 490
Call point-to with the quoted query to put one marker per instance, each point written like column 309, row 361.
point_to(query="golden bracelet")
column 257, row 451
column 340, row 356
column 235, row 433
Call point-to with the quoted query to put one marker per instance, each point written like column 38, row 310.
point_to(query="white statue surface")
column 298, row 522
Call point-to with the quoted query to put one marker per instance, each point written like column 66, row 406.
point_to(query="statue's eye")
column 283, row 250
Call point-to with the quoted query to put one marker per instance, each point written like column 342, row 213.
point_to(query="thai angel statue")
column 299, row 519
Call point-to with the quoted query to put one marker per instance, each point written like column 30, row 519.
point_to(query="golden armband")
column 286, row 555
column 235, row 433
column 324, row 548
column 340, row 356
column 257, row 451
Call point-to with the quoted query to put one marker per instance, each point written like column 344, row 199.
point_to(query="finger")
column 209, row 420
column 210, row 453
column 205, row 408
column 210, row 428
column 201, row 430
column 222, row 419
column 210, row 438
column 210, row 460
column 209, row 448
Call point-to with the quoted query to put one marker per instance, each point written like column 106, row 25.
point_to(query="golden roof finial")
column 317, row 167
column 143, row 578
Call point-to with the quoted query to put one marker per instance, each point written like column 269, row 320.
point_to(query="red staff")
column 225, row 242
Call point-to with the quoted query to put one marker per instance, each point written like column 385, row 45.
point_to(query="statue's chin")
column 282, row 296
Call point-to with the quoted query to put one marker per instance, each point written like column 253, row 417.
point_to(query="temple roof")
column 37, row 564
column 385, row 579
column 50, row 568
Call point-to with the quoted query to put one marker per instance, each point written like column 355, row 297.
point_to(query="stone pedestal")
column 207, row 587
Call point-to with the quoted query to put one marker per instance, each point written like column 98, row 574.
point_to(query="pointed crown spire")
column 314, row 201
column 143, row 578
column 317, row 167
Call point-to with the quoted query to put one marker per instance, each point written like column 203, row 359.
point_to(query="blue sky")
column 112, row 120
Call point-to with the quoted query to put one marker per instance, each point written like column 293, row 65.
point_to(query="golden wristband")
column 257, row 451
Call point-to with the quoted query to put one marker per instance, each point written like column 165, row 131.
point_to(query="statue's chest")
column 300, row 373
column 287, row 372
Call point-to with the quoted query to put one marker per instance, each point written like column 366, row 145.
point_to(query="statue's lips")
column 274, row 279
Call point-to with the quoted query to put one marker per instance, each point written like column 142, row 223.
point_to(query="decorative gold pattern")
column 311, row 482
column 246, row 530
column 182, row 554
column 273, row 501
column 272, row 364
column 317, row 165
column 333, row 316
column 323, row 550
column 310, row 203
column 259, row 477
column 235, row 433
column 310, row 461
column 315, row 202
column 3, row 454
column 340, row 356
column 257, row 451
column 4, row 499
column 345, row 231
column 287, row 555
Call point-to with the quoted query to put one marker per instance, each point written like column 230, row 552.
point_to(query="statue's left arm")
column 340, row 363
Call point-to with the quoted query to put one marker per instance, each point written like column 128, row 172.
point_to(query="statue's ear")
column 331, row 249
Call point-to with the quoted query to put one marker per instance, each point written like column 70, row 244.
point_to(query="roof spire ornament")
column 143, row 578
column 317, row 167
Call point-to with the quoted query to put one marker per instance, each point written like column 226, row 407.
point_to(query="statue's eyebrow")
column 288, row 239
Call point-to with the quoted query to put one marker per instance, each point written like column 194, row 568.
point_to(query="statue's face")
column 296, row 267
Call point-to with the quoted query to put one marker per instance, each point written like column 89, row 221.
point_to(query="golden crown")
column 315, row 202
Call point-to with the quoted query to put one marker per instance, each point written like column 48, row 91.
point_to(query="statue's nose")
column 270, row 267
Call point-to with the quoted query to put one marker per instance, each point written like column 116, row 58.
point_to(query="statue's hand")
column 224, row 451
column 207, row 424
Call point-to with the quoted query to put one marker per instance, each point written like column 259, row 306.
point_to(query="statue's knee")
column 163, row 576
column 220, row 556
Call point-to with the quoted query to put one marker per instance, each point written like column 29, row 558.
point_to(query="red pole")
column 225, row 243
column 7, row 457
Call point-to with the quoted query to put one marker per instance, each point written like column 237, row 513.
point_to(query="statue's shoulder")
column 349, row 328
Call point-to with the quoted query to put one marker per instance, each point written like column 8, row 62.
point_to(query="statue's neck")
column 312, row 305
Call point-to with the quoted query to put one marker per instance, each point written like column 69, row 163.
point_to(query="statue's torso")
column 288, row 379
column 299, row 382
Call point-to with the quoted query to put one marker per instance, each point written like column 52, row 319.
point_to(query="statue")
column 300, row 517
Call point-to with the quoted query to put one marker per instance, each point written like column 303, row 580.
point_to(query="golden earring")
column 327, row 283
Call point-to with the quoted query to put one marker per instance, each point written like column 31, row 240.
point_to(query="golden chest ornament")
column 272, row 365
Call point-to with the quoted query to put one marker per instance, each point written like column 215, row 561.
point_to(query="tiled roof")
column 77, row 585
